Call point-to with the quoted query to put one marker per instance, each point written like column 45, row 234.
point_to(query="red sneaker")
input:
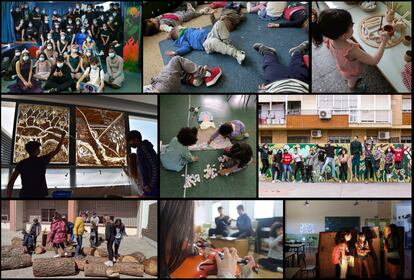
column 213, row 78
column 193, row 81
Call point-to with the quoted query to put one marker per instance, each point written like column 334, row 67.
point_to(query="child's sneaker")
column 273, row 181
column 215, row 74
column 302, row 48
column 261, row 48
column 56, row 256
column 193, row 81
column 240, row 56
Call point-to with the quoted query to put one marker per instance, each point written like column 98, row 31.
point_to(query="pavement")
column 322, row 190
column 129, row 244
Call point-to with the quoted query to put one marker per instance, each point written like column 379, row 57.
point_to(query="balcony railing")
column 278, row 117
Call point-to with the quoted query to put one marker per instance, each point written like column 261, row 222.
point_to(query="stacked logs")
column 14, row 257
column 47, row 267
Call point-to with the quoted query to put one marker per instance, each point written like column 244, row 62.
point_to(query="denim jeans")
column 355, row 165
column 286, row 167
column 78, row 245
column 330, row 161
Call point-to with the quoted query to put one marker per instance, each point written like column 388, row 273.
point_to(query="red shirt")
column 398, row 153
column 170, row 16
column 287, row 158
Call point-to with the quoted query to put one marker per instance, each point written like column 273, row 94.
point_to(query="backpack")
column 336, row 254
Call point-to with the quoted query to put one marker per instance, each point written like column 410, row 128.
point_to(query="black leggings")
column 368, row 169
column 309, row 176
column 343, row 171
column 271, row 264
column 387, row 168
column 299, row 166
column 265, row 167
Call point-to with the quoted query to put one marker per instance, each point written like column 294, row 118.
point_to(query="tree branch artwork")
column 42, row 123
column 100, row 137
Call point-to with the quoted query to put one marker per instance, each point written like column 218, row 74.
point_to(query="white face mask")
column 88, row 54
column 111, row 54
column 17, row 54
column 69, row 21
column 55, row 13
column 41, row 59
column 94, row 67
column 30, row 25
column 49, row 47
column 88, row 39
column 69, row 30
column 46, row 21
column 59, row 64
column 62, row 38
column 25, row 58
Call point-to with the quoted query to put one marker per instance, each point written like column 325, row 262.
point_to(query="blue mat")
column 245, row 77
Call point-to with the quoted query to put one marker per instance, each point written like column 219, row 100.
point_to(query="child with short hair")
column 388, row 163
column 176, row 155
column 337, row 26
column 234, row 130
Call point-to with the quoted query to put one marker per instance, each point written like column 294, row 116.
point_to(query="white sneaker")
column 56, row 256
column 340, row 181
column 109, row 263
column 273, row 181
column 300, row 181
column 240, row 56
column 114, row 259
column 346, row 181
column 66, row 254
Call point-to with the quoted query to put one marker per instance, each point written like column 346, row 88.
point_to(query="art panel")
column 100, row 137
column 42, row 123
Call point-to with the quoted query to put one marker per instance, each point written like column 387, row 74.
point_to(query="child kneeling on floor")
column 337, row 26
column 216, row 40
column 176, row 155
column 238, row 157
column 180, row 69
column 234, row 130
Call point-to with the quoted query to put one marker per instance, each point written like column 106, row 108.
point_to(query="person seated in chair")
column 244, row 224
column 222, row 224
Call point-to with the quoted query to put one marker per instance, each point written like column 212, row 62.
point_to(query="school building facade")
column 139, row 217
column 338, row 118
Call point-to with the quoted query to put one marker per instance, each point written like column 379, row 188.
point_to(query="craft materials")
column 210, row 172
column 370, row 32
column 191, row 180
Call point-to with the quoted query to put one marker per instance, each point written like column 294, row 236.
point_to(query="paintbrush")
column 381, row 23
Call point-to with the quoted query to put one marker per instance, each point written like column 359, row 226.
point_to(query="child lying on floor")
column 230, row 17
column 234, row 130
column 216, row 40
column 282, row 78
column 337, row 26
column 239, row 156
column 180, row 69
column 167, row 21
column 176, row 154
column 296, row 16
column 271, row 10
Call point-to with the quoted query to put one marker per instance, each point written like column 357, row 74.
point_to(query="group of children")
column 313, row 167
column 69, row 53
column 279, row 77
column 177, row 155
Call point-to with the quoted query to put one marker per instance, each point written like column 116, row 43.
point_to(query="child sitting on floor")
column 234, row 130
column 273, row 10
column 180, row 69
column 239, row 156
column 176, row 155
column 295, row 14
column 337, row 26
column 274, row 262
column 167, row 21
column 216, row 40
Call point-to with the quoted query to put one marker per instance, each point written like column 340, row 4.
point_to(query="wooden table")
column 290, row 258
column 242, row 245
column 392, row 62
column 291, row 272
column 296, row 247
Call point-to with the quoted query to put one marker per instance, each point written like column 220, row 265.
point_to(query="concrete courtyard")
column 129, row 245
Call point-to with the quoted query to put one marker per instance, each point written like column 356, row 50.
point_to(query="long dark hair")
column 340, row 236
column 176, row 233
column 241, row 152
column 274, row 228
column 331, row 23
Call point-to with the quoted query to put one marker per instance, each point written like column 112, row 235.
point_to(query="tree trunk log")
column 17, row 241
column 101, row 252
column 47, row 267
column 39, row 250
column 88, row 251
column 16, row 262
column 8, row 251
column 140, row 257
column 127, row 259
column 151, row 266
column 80, row 263
column 132, row 269
column 100, row 270
column 93, row 259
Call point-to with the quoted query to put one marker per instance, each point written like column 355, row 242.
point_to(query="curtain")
column 7, row 30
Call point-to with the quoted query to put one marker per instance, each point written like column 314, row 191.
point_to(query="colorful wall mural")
column 132, row 35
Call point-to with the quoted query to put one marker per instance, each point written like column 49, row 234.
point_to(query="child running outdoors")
column 337, row 26
column 216, row 40
column 176, row 155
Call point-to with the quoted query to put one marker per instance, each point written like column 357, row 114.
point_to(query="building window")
column 406, row 105
column 101, row 218
column 406, row 139
column 148, row 128
column 47, row 215
column 4, row 218
column 340, row 139
column 298, row 139
column 233, row 208
column 109, row 177
column 265, row 139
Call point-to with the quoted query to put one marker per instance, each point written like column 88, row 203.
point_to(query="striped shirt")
column 285, row 86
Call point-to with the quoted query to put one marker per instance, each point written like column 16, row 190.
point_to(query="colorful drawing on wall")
column 402, row 175
column 42, row 123
column 132, row 27
column 100, row 137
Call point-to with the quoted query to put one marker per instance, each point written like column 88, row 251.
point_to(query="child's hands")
column 384, row 37
column 170, row 53
column 272, row 25
column 227, row 267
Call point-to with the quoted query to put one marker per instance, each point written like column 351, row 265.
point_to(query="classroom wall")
column 314, row 214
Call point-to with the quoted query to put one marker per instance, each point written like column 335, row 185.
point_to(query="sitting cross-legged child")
column 180, row 69
column 238, row 157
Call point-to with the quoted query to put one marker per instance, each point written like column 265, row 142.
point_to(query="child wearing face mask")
column 343, row 165
column 105, row 37
column 36, row 18
column 95, row 76
column 81, row 36
column 115, row 67
column 85, row 59
column 11, row 70
column 89, row 43
column 62, row 44
column 73, row 60
column 24, row 71
column 50, row 52
column 56, row 31
column 30, row 33
column 60, row 78
column 42, row 67
column 388, row 163
column 44, row 31
column 337, row 26
column 19, row 29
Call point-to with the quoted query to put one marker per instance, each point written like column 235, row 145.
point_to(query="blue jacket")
column 192, row 38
